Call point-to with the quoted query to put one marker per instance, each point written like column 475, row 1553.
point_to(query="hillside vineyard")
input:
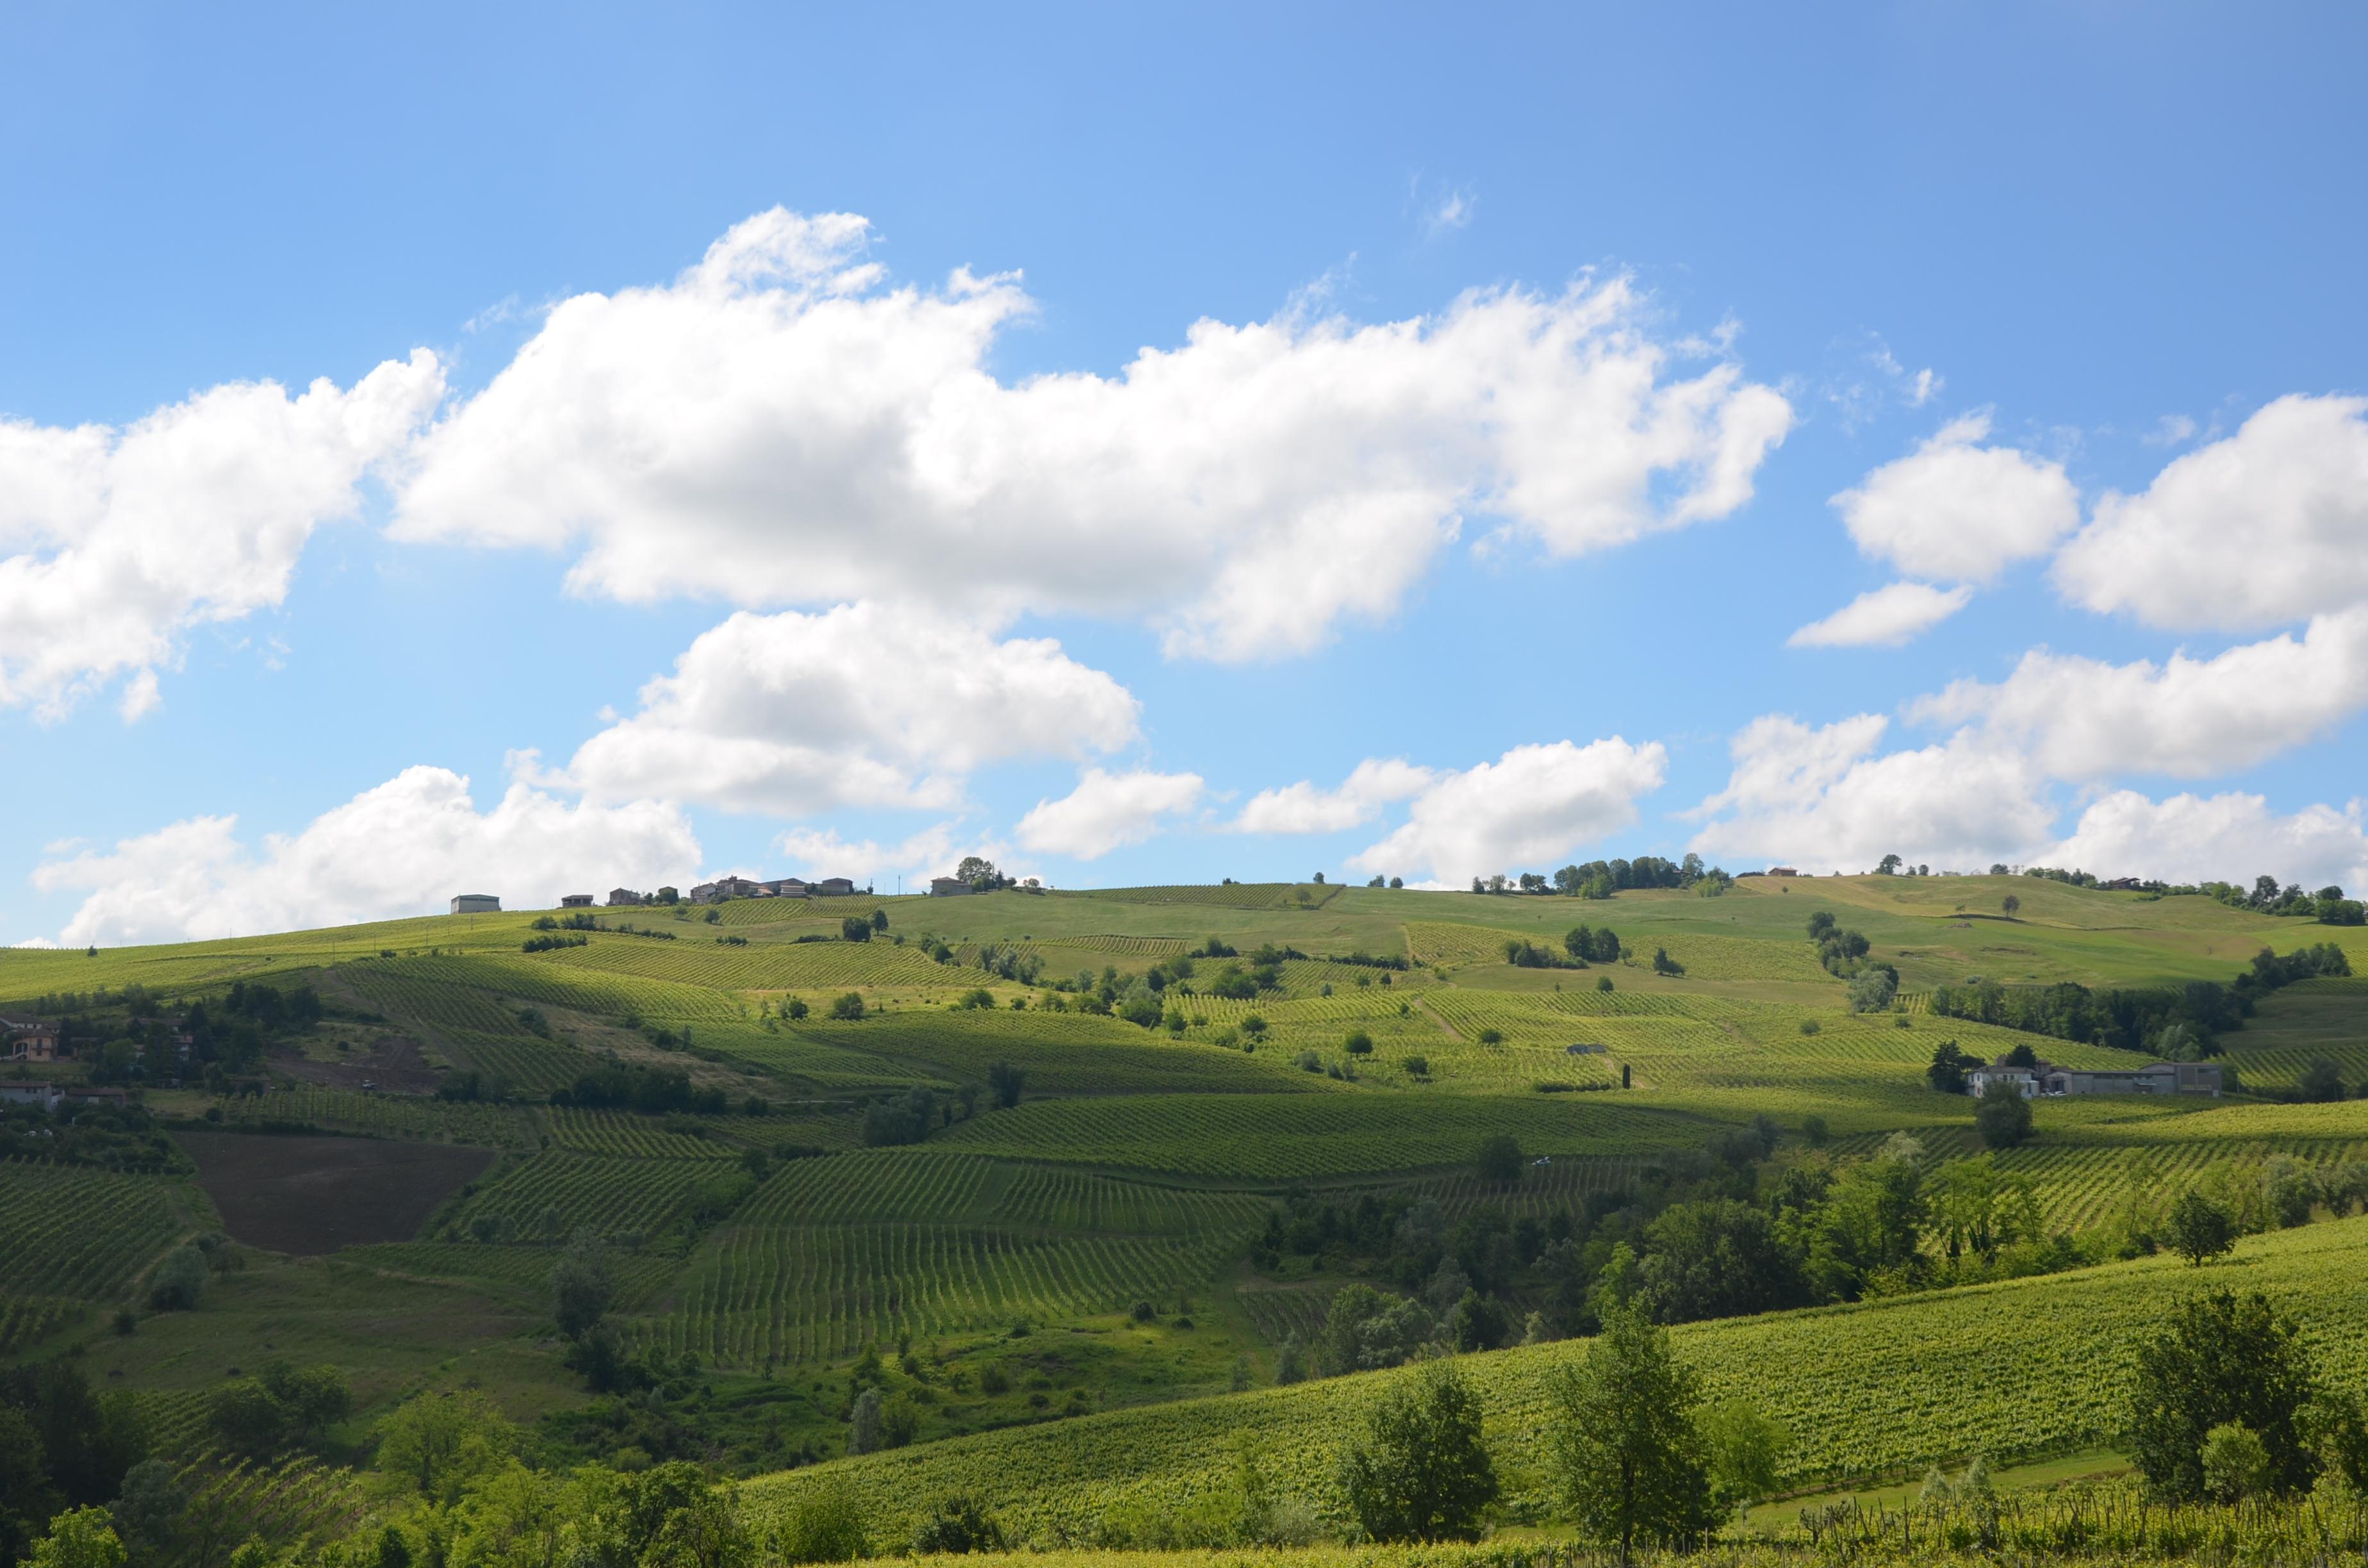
column 1107, row 1221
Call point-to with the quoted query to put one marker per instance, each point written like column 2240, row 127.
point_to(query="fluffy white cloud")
column 1959, row 511
column 1532, row 804
column 2266, row 527
column 934, row 851
column 779, row 427
column 1823, row 800
column 113, row 543
column 1107, row 811
column 1304, row 808
column 1883, row 617
column 2083, row 719
column 2228, row 838
column 862, row 706
column 403, row 848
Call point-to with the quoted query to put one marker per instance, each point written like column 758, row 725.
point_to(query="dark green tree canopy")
column 2222, row 1358
column 1423, row 1472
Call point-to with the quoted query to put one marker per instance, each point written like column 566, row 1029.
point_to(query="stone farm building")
column 723, row 888
column 476, row 903
column 2046, row 1078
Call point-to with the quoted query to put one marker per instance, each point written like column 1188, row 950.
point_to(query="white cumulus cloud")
column 401, row 849
column 115, row 544
column 2231, row 838
column 1959, row 511
column 1107, row 811
column 1304, row 808
column 780, row 427
column 864, row 705
column 1883, row 617
column 1826, row 800
column 1531, row 806
column 2084, row 719
column 2264, row 527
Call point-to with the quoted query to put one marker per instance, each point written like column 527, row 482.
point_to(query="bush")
column 1005, row 1082
column 1492, row 1037
column 825, row 1524
column 1418, row 1066
column 1359, row 1043
column 1810, row 1026
column 1664, row 965
column 1603, row 982
column 855, row 928
column 848, row 1007
column 959, row 1524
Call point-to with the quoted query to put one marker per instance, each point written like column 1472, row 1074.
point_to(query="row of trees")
column 1601, row 878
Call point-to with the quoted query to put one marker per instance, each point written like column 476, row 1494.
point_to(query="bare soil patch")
column 394, row 1064
column 308, row 1196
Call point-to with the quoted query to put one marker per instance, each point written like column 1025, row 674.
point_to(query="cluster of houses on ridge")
column 2046, row 1078
column 716, row 892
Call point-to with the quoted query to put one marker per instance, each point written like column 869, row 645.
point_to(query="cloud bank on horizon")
column 886, row 526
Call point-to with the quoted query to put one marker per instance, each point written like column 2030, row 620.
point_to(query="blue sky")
column 1539, row 344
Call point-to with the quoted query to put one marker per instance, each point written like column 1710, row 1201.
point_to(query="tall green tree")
column 1423, row 1472
column 2199, row 1228
column 2220, row 1359
column 1633, row 1463
column 2002, row 1116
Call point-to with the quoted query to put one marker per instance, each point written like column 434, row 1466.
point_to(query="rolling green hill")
column 1062, row 1293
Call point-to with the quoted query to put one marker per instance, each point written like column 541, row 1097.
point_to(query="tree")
column 1500, row 1160
column 1634, row 1464
column 2012, row 905
column 244, row 1416
column 1423, row 1473
column 2222, row 1358
column 863, row 1423
column 179, row 1280
column 1745, row 1448
column 1359, row 1043
column 582, row 1286
column 1888, row 866
column 1477, row 1323
column 148, row 1512
column 2322, row 1080
column 1006, row 1081
column 979, row 872
column 1947, row 1072
column 1871, row 989
column 855, row 928
column 80, row 1537
column 849, row 1008
column 2199, row 1228
column 434, row 1443
column 880, row 920
column 2002, row 1116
